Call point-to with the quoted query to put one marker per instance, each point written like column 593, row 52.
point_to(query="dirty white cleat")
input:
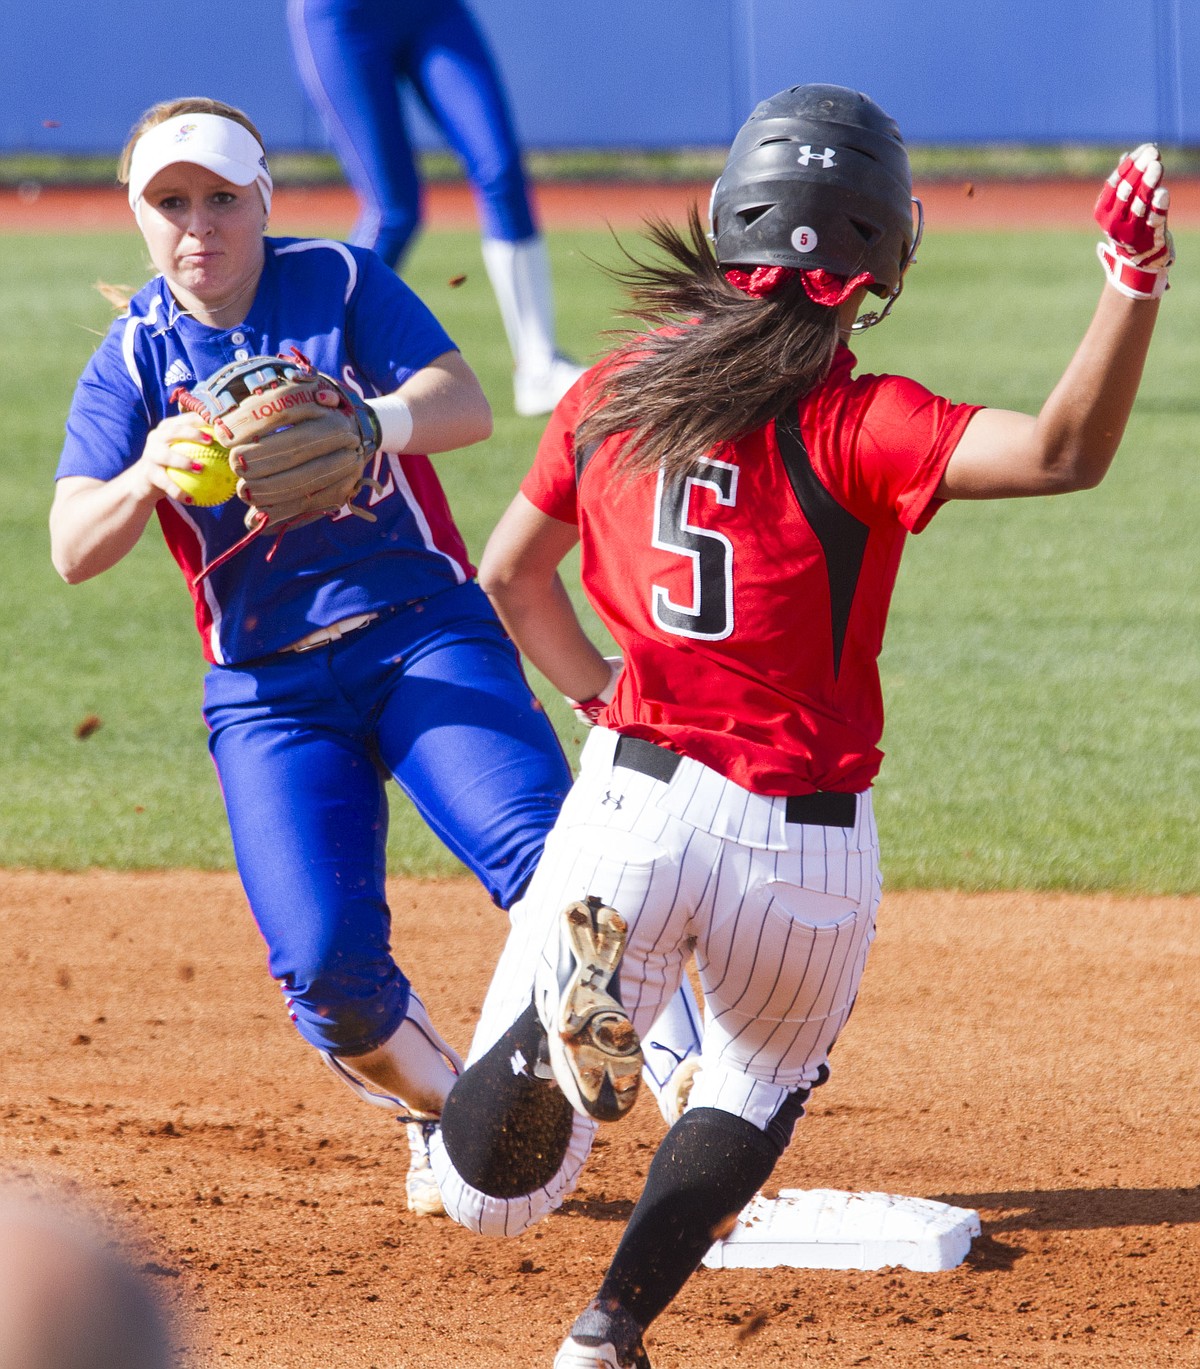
column 603, row 1339
column 537, row 392
column 674, row 1100
column 420, row 1186
column 594, row 1050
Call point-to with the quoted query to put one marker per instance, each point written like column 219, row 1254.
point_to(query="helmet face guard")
column 818, row 178
column 872, row 317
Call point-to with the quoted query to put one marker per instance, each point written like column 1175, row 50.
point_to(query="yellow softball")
column 215, row 483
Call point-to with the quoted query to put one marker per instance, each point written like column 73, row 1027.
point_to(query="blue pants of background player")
column 432, row 694
column 351, row 55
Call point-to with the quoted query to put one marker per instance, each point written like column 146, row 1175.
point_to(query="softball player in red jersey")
column 741, row 499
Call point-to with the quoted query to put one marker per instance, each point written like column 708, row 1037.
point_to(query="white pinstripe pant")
column 779, row 915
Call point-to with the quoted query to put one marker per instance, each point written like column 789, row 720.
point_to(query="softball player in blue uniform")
column 342, row 652
column 351, row 55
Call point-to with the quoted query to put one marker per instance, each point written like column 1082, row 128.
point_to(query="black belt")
column 821, row 809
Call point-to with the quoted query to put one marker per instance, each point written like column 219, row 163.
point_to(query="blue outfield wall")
column 75, row 74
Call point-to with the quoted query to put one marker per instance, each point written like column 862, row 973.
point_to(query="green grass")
column 1041, row 665
column 930, row 161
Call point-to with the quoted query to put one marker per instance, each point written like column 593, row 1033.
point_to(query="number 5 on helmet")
column 1132, row 211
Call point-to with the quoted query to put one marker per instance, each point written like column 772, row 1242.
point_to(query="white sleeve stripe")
column 129, row 340
column 339, row 247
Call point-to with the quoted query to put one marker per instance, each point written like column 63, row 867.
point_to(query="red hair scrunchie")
column 823, row 287
column 761, row 281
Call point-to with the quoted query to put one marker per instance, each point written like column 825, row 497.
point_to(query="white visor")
column 221, row 145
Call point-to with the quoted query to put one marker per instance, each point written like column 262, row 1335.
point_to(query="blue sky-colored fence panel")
column 74, row 74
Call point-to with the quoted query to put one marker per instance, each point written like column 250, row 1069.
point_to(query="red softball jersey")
column 749, row 595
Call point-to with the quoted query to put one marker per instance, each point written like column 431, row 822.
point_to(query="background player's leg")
column 521, row 281
column 348, row 65
column 456, row 77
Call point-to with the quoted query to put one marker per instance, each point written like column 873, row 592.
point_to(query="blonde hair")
column 169, row 109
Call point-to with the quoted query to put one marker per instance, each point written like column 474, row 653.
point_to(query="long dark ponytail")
column 723, row 363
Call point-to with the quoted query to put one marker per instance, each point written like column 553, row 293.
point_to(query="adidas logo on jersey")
column 177, row 374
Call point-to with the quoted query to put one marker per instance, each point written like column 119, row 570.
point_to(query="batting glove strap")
column 1137, row 282
column 588, row 711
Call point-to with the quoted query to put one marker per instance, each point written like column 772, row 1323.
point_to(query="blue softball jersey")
column 356, row 321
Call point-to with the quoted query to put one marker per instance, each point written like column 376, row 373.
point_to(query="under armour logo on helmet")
column 808, row 155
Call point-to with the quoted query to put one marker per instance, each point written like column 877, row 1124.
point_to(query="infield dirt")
column 1033, row 1057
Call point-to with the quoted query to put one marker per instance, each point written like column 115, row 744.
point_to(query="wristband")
column 395, row 422
column 588, row 711
column 1132, row 280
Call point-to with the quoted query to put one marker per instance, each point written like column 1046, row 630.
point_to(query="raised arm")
column 519, row 572
column 1071, row 442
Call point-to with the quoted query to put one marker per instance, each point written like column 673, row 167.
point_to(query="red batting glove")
column 1132, row 211
column 588, row 711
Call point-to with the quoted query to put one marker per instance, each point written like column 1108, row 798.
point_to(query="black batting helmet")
column 817, row 177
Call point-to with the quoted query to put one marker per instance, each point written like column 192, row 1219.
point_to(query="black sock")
column 708, row 1167
column 505, row 1130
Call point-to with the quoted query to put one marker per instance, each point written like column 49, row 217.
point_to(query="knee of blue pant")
column 344, row 1007
column 508, row 884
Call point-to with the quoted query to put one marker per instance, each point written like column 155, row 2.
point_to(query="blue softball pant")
column 433, row 695
column 351, row 56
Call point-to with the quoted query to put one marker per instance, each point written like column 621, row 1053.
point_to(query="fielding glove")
column 299, row 442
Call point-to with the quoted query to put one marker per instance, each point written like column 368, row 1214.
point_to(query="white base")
column 824, row 1228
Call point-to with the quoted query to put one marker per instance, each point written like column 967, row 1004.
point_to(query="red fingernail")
column 197, row 465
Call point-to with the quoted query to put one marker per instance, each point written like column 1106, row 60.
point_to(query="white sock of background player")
column 520, row 277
